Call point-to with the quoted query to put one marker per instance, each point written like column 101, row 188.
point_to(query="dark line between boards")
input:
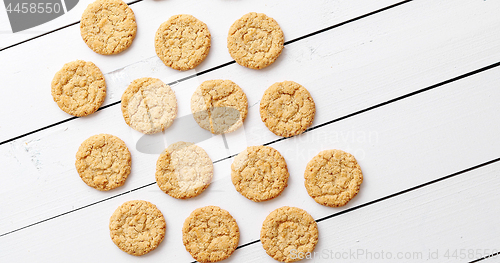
column 397, row 194
column 242, row 246
column 316, row 127
column 272, row 142
column 80, row 208
column 201, row 72
column 348, row 21
column 485, row 257
column 52, row 31
column 406, row 95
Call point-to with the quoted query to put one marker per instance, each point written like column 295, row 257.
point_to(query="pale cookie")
column 333, row 177
column 287, row 233
column 108, row 26
column 103, row 162
column 259, row 173
column 184, row 170
column 182, row 42
column 79, row 88
column 210, row 234
column 149, row 105
column 219, row 106
column 255, row 40
column 137, row 227
column 287, row 108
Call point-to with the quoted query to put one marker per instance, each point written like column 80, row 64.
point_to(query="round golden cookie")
column 137, row 227
column 288, row 231
column 287, row 108
column 182, row 42
column 210, row 234
column 103, row 162
column 184, row 170
column 108, row 26
column 333, row 177
column 79, row 88
column 259, row 173
column 149, row 105
column 255, row 40
column 219, row 106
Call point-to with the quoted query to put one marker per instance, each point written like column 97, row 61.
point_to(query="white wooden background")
column 411, row 88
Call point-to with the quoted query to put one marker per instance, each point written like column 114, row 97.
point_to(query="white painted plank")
column 400, row 145
column 450, row 221
column 457, row 213
column 43, row 163
column 8, row 38
column 27, row 70
column 336, row 10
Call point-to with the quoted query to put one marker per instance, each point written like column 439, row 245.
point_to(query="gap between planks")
column 202, row 72
column 311, row 129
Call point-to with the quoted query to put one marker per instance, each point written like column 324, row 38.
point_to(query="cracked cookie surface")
column 333, row 177
column 79, row 88
column 149, row 105
column 255, row 40
column 108, row 26
column 287, row 231
column 210, row 234
column 184, row 170
column 103, row 162
column 137, row 227
column 259, row 173
column 219, row 106
column 287, row 108
column 182, row 42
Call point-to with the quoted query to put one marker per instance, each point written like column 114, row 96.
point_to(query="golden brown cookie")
column 184, row 170
column 103, row 162
column 333, row 177
column 79, row 88
column 219, row 106
column 287, row 108
column 149, row 105
column 137, row 227
column 288, row 231
column 108, row 26
column 210, row 234
column 255, row 40
column 259, row 173
column 182, row 42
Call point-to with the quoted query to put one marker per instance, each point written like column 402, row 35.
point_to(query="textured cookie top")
column 287, row 108
column 79, row 88
column 259, row 173
column 255, row 40
column 210, row 234
column 149, row 105
column 182, row 42
column 288, row 230
column 108, row 26
column 137, row 227
column 184, row 170
column 333, row 178
column 219, row 106
column 103, row 162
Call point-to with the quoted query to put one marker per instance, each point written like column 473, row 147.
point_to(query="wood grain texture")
column 420, row 226
column 403, row 144
column 31, row 72
column 398, row 146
